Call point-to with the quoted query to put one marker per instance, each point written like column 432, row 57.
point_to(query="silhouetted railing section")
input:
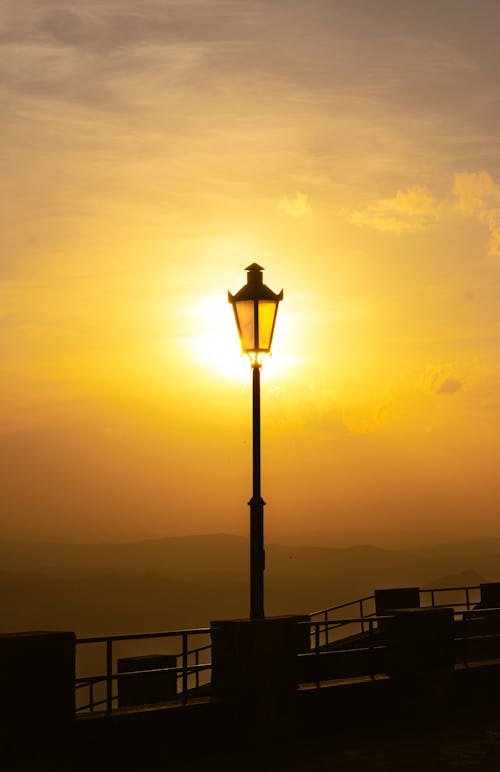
column 475, row 639
column 363, row 607
column 348, row 640
column 192, row 670
column 457, row 597
column 478, row 635
column 332, row 658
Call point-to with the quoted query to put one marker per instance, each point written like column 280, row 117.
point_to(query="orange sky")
column 150, row 152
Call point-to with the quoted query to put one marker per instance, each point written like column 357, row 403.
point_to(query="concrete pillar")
column 482, row 630
column 254, row 663
column 490, row 595
column 37, row 684
column 396, row 597
column 146, row 688
column 421, row 652
column 420, row 640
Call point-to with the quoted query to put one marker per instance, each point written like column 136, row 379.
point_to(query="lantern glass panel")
column 245, row 318
column 267, row 314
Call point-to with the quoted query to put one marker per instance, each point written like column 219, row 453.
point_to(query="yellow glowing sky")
column 150, row 151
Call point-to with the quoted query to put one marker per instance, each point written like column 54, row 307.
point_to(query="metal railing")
column 188, row 672
column 332, row 633
column 366, row 650
column 360, row 604
column 366, row 606
column 476, row 638
column 471, row 597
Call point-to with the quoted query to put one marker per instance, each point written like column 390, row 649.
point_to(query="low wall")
column 37, row 691
column 256, row 672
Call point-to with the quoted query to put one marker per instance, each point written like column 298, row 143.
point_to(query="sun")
column 216, row 345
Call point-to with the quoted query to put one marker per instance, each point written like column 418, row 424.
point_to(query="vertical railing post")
column 370, row 644
column 184, row 667
column 91, row 696
column 109, row 673
column 361, row 615
column 197, row 662
column 316, row 647
column 432, row 599
column 464, row 633
column 467, row 599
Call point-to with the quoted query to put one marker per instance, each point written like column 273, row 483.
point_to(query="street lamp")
column 255, row 308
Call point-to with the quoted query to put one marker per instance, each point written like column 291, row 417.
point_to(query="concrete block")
column 420, row 641
column 254, row 663
column 37, row 682
column 146, row 688
column 396, row 597
column 490, row 595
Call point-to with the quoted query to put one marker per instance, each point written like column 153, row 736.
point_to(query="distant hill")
column 112, row 604
column 468, row 578
column 187, row 581
column 173, row 554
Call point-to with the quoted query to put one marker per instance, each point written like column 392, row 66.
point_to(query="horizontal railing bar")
column 200, row 648
column 479, row 612
column 342, row 622
column 333, row 624
column 342, row 605
column 429, row 591
column 94, row 704
column 139, row 636
column 479, row 637
column 321, row 653
column 85, row 680
column 450, row 589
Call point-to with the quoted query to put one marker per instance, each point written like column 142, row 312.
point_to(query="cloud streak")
column 442, row 380
column 296, row 207
column 478, row 195
column 449, row 386
column 473, row 194
column 414, row 209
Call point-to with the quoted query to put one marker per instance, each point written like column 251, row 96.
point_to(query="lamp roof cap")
column 254, row 267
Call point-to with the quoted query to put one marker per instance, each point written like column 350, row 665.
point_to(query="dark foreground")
column 464, row 738
column 468, row 739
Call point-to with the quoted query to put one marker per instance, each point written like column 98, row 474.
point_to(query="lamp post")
column 255, row 308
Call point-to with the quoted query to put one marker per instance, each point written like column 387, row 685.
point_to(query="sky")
column 150, row 151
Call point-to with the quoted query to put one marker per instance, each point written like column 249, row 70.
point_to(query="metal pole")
column 109, row 672
column 184, row 667
column 256, row 503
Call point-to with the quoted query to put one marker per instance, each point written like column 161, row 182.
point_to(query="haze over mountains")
column 187, row 581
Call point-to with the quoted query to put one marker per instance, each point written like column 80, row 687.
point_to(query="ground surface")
column 467, row 738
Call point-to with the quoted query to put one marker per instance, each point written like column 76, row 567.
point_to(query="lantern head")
column 255, row 308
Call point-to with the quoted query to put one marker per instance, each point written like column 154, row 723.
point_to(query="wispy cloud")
column 443, row 379
column 296, row 206
column 477, row 194
column 449, row 386
column 414, row 209
column 473, row 194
